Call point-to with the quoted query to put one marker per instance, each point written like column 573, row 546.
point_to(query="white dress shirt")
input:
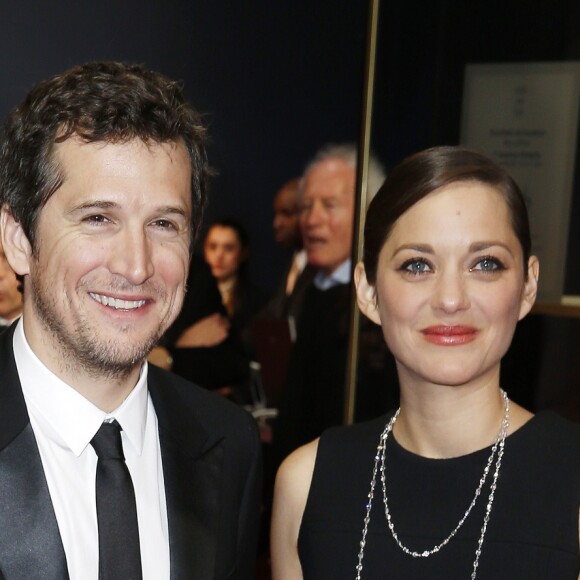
column 299, row 261
column 7, row 322
column 341, row 275
column 64, row 422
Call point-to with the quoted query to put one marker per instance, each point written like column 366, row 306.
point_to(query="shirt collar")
column 341, row 275
column 7, row 321
column 300, row 259
column 67, row 417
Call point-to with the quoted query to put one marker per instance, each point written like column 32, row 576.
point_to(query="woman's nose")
column 450, row 293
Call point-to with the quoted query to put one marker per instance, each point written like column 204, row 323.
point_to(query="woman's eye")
column 416, row 266
column 487, row 264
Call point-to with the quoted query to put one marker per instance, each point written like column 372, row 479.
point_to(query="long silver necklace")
column 380, row 466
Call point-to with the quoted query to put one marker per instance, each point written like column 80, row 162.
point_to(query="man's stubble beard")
column 82, row 350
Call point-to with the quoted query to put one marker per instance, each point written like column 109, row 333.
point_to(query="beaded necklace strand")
column 380, row 466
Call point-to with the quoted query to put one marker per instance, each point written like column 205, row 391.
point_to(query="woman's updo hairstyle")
column 422, row 173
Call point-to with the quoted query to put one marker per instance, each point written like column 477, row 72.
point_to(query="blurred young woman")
column 459, row 482
column 226, row 250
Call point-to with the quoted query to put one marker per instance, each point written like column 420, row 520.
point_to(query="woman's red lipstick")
column 445, row 335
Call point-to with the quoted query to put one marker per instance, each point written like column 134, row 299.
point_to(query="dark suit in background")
column 313, row 397
column 283, row 305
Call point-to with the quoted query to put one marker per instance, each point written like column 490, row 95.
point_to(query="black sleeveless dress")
column 533, row 528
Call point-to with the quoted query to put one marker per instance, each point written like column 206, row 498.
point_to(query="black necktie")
column 119, row 554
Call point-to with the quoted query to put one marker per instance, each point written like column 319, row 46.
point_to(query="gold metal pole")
column 361, row 203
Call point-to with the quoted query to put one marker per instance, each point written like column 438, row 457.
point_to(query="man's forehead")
column 76, row 142
column 330, row 179
column 102, row 174
column 329, row 170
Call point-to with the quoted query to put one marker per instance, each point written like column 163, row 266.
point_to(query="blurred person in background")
column 226, row 250
column 288, row 297
column 313, row 396
column 10, row 295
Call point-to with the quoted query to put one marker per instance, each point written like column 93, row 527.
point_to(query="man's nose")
column 314, row 215
column 131, row 256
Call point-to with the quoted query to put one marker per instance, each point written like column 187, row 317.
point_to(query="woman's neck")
column 441, row 421
column 226, row 288
column 226, row 284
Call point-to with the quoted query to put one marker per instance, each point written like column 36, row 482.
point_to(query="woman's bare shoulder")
column 290, row 496
column 300, row 463
column 294, row 478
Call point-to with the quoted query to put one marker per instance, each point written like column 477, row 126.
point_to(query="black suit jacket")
column 211, row 468
column 282, row 305
column 313, row 395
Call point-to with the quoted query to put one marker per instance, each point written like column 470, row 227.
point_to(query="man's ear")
column 16, row 246
column 365, row 294
column 530, row 289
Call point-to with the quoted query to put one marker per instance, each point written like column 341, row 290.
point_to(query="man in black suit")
column 313, row 396
column 287, row 300
column 102, row 186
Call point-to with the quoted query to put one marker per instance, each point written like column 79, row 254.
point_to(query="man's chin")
column 113, row 360
column 318, row 262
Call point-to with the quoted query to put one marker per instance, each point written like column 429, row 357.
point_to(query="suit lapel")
column 192, row 470
column 30, row 542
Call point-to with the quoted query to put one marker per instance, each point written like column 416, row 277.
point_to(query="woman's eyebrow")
column 423, row 248
column 484, row 245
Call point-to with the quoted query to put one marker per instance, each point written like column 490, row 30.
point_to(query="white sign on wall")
column 525, row 117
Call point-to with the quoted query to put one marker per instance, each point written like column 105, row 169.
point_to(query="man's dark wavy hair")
column 108, row 102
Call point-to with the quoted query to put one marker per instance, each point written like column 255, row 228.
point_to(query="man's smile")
column 117, row 303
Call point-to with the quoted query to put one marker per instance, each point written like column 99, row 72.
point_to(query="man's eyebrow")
column 94, row 204
column 104, row 204
column 172, row 209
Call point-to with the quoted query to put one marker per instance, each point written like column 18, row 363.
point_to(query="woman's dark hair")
column 422, row 173
column 107, row 102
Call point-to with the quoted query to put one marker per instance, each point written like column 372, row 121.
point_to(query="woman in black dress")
column 226, row 250
column 459, row 482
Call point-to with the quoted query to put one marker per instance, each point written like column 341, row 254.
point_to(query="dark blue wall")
column 278, row 79
column 275, row 80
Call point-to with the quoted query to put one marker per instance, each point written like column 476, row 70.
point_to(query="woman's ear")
column 530, row 289
column 16, row 246
column 365, row 294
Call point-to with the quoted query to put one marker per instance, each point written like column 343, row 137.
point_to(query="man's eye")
column 96, row 219
column 164, row 224
column 416, row 266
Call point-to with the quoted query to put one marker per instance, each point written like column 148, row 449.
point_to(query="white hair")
column 348, row 153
